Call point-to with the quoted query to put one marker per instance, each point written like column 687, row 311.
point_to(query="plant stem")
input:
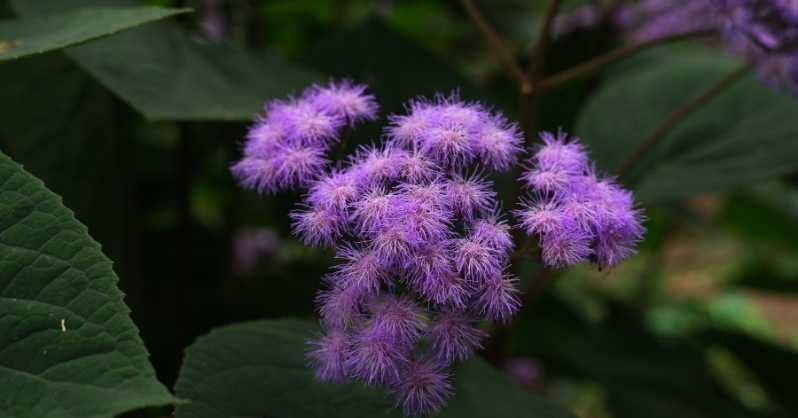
column 537, row 61
column 501, row 50
column 597, row 63
column 537, row 67
column 678, row 115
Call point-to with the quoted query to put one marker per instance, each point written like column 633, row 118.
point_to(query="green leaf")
column 39, row 34
column 744, row 135
column 177, row 78
column 258, row 369
column 62, row 126
column 68, row 348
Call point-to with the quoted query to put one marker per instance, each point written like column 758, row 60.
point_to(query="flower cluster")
column 423, row 250
column 765, row 32
column 575, row 214
column 286, row 148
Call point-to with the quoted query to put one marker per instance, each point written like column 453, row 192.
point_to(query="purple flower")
column 498, row 298
column 471, row 196
column 305, row 123
column 406, row 130
column 327, row 355
column 427, row 262
column 375, row 166
column 317, row 226
column 373, row 210
column 493, row 233
column 395, row 318
column 423, row 211
column 335, row 191
column 340, row 306
column 454, row 336
column 583, row 217
column 497, row 143
column 393, row 243
column 448, row 144
column 444, row 287
column 362, row 270
column 344, row 100
column 541, row 218
column 416, row 168
column 568, row 246
column 476, row 261
column 263, row 138
column 423, row 388
column 376, row 358
column 286, row 167
column 560, row 153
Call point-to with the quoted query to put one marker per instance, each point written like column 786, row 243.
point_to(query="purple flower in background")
column 526, row 371
column 582, row 217
column 249, row 245
column 764, row 32
column 423, row 252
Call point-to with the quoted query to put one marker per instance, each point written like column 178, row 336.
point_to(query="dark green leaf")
column 746, row 134
column 64, row 127
column 68, row 348
column 257, row 369
column 165, row 74
column 38, row 34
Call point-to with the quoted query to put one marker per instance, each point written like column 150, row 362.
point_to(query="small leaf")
column 745, row 134
column 39, row 34
column 257, row 369
column 68, row 348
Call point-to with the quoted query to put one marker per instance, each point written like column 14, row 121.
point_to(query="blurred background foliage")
column 702, row 323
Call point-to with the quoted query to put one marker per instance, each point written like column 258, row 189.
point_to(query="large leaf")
column 746, row 134
column 68, row 348
column 64, row 127
column 257, row 369
column 38, row 34
column 165, row 74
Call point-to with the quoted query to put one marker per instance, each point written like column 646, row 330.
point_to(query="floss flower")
column 764, row 32
column 575, row 214
column 423, row 251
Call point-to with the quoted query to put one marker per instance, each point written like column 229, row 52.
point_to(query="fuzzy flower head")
column 454, row 337
column 424, row 389
column 304, row 123
column 328, row 354
column 345, row 100
column 584, row 217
